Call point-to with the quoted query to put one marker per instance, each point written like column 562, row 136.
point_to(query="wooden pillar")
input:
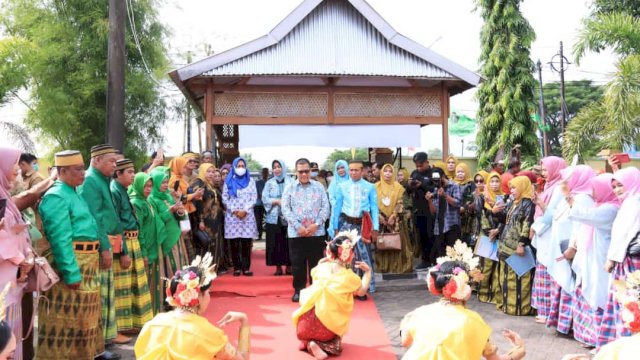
column 209, row 106
column 445, row 122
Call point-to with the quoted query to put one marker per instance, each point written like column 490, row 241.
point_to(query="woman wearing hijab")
column 239, row 197
column 16, row 257
column 450, row 167
column 403, row 178
column 480, row 179
column 209, row 214
column 169, row 211
column 150, row 227
column 622, row 258
column 593, row 243
column 341, row 175
column 576, row 186
column 546, row 204
column 393, row 220
column 277, row 243
column 489, row 227
column 181, row 171
column 513, row 293
column 467, row 206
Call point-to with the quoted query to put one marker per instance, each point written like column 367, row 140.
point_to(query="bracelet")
column 180, row 213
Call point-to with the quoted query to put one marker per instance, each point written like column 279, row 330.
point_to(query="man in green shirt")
column 133, row 298
column 95, row 192
column 69, row 314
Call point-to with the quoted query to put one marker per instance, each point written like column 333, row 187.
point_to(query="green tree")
column 578, row 94
column 614, row 121
column 435, row 154
column 330, row 162
column 252, row 164
column 67, row 70
column 506, row 96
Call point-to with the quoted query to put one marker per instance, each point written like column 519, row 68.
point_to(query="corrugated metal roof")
column 334, row 39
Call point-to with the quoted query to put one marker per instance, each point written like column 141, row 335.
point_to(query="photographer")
column 418, row 186
column 444, row 203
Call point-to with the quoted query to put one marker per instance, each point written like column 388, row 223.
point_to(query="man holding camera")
column 444, row 203
column 418, row 186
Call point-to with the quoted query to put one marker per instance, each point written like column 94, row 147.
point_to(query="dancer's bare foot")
column 316, row 351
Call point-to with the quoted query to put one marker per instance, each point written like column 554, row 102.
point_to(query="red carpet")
column 266, row 299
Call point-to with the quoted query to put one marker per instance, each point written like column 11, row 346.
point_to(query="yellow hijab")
column 451, row 174
column 388, row 189
column 440, row 165
column 523, row 186
column 404, row 172
column 467, row 174
column 202, row 174
column 490, row 195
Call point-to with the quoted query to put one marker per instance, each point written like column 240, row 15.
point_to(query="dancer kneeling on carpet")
column 326, row 306
column 447, row 329
column 184, row 333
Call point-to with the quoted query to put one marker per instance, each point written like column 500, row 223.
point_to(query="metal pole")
column 188, row 115
column 562, row 107
column 115, row 75
column 545, row 140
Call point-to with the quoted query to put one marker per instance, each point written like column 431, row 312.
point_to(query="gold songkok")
column 124, row 164
column 102, row 150
column 190, row 155
column 68, row 158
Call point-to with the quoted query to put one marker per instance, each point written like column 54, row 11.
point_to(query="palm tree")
column 614, row 121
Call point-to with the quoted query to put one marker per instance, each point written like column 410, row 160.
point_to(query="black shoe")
column 288, row 271
column 247, row 273
column 278, row 272
column 236, row 273
column 108, row 355
column 362, row 298
column 295, row 297
column 423, row 266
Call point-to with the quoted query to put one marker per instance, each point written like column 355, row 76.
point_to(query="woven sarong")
column 133, row 301
column 176, row 258
column 69, row 320
column 108, row 296
column 310, row 328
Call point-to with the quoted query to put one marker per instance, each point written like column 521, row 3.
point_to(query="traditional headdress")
column 457, row 288
column 68, row 158
column 627, row 293
column 191, row 283
column 103, row 149
column 345, row 249
column 124, row 164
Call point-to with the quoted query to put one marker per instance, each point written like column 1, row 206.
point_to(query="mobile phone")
column 499, row 199
column 176, row 186
column 3, row 207
column 622, row 158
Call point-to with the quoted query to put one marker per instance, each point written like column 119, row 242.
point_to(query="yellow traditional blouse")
column 444, row 332
column 621, row 349
column 332, row 296
column 179, row 336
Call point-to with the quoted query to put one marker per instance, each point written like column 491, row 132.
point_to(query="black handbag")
column 634, row 246
column 202, row 238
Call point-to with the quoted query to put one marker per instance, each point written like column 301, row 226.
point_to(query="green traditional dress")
column 133, row 301
column 95, row 192
column 69, row 321
column 150, row 228
column 173, row 247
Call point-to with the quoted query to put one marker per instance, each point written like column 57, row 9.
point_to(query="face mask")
column 314, row 174
column 240, row 171
column 35, row 167
column 329, row 178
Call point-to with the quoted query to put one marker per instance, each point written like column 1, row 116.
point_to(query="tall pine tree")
column 506, row 97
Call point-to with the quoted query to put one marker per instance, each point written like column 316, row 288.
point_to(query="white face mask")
column 240, row 171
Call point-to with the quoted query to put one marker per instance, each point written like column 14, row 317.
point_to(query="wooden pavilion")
column 329, row 62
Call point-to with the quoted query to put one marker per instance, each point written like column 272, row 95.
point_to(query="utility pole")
column 188, row 111
column 115, row 75
column 545, row 140
column 563, row 60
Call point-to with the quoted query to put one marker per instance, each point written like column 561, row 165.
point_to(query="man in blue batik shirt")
column 353, row 198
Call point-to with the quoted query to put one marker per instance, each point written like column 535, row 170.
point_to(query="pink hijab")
column 553, row 164
column 578, row 179
column 602, row 190
column 8, row 159
column 630, row 179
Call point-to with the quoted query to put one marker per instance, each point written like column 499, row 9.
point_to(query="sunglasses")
column 304, row 171
column 479, row 181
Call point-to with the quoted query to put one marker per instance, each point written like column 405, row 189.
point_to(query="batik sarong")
column 310, row 328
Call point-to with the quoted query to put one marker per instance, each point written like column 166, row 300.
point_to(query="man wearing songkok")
column 69, row 313
column 356, row 208
column 133, row 299
column 95, row 192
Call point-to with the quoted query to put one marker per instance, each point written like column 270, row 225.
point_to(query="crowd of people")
column 98, row 243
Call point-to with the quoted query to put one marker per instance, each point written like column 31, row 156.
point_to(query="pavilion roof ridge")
column 406, row 57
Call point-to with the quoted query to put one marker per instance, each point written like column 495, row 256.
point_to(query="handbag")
column 42, row 277
column 185, row 225
column 202, row 238
column 389, row 241
column 634, row 246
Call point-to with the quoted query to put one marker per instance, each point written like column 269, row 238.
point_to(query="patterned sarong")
column 585, row 320
column 176, row 258
column 108, row 296
column 310, row 328
column 541, row 297
column 486, row 288
column 133, row 301
column 513, row 292
column 155, row 273
column 69, row 320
